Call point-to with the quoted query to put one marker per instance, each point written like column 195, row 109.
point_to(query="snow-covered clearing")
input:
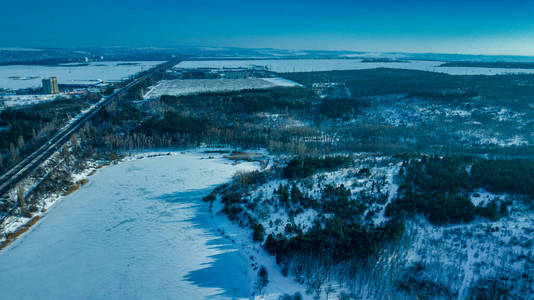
column 137, row 230
column 317, row 65
column 179, row 87
column 30, row 76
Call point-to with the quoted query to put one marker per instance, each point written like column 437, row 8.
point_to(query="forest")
column 382, row 81
column 440, row 187
column 302, row 167
column 26, row 129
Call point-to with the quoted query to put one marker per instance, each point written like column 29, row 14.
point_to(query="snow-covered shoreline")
column 188, row 182
column 242, row 239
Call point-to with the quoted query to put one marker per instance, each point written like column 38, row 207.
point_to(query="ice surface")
column 137, row 230
column 107, row 71
column 316, row 65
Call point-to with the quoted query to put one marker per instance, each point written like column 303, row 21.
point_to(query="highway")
column 18, row 172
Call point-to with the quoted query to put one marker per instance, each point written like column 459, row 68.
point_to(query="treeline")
column 340, row 108
column 498, row 64
column 383, row 81
column 337, row 239
column 20, row 123
column 440, row 187
column 191, row 120
column 172, row 123
column 371, row 82
column 302, row 167
column 24, row 129
column 444, row 96
column 272, row 100
column 247, row 101
column 513, row 176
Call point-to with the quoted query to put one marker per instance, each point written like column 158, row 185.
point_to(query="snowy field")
column 316, row 65
column 181, row 87
column 28, row 76
column 137, row 230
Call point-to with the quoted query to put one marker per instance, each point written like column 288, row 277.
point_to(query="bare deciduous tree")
column 87, row 129
column 66, row 153
column 20, row 198
column 74, row 141
column 82, row 136
column 20, row 142
column 14, row 153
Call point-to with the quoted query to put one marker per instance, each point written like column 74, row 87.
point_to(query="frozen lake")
column 137, row 230
column 316, row 65
column 26, row 76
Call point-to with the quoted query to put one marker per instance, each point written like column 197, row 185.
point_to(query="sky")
column 453, row 26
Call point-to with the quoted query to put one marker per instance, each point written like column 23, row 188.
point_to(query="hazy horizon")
column 415, row 26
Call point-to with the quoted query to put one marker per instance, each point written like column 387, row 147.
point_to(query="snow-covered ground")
column 433, row 262
column 179, row 87
column 464, row 254
column 316, row 65
column 23, row 100
column 382, row 173
column 137, row 230
column 470, row 122
column 28, row 76
column 241, row 238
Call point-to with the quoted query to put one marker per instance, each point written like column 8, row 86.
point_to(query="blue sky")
column 474, row 27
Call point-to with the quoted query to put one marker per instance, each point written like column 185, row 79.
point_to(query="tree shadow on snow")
column 228, row 270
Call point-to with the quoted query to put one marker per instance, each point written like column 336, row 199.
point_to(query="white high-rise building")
column 50, row 85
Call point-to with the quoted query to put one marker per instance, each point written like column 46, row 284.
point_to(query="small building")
column 50, row 86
